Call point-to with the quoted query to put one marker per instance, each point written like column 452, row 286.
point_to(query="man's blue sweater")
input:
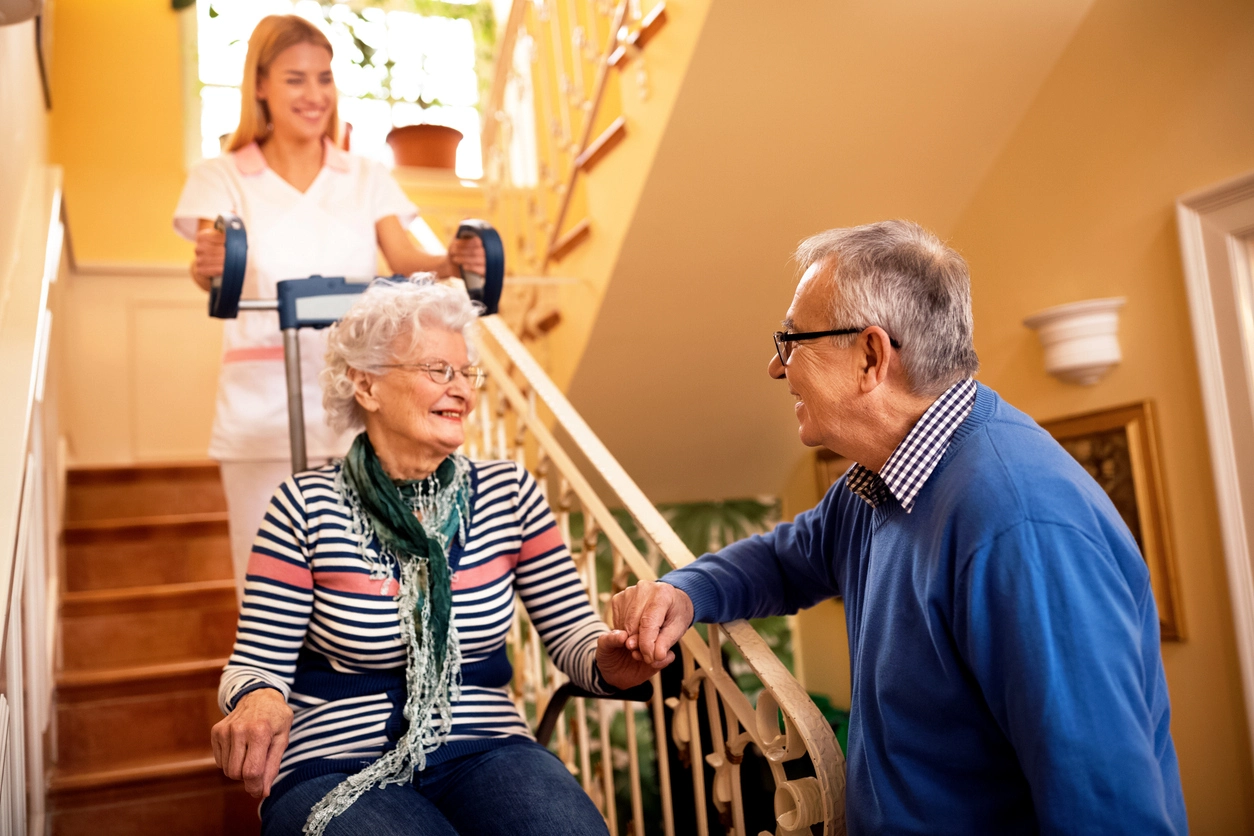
column 1003, row 637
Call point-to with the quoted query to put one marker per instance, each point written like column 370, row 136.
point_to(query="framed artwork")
column 1118, row 447
column 828, row 467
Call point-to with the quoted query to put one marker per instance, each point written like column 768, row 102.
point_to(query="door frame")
column 1216, row 228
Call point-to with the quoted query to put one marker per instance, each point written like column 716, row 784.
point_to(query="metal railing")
column 706, row 719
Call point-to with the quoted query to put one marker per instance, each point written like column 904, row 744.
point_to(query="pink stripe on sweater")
column 279, row 570
column 484, row 573
column 356, row 583
column 540, row 544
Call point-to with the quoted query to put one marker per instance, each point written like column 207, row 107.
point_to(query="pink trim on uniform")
column 542, row 543
column 249, row 159
column 274, row 569
column 334, row 158
column 259, row 352
column 484, row 573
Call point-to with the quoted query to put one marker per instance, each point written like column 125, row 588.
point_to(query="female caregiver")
column 309, row 208
column 383, row 588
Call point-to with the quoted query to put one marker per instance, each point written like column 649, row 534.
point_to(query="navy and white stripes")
column 315, row 625
column 910, row 465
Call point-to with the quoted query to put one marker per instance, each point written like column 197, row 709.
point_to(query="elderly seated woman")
column 381, row 589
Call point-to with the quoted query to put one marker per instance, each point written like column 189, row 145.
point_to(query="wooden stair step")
column 571, row 239
column 136, row 599
column 602, row 145
column 94, row 735
column 84, row 528
column 167, row 550
column 100, row 493
column 126, row 628
column 87, row 685
column 185, row 794
column 193, row 762
column 649, row 26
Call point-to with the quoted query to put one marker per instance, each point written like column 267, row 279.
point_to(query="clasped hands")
column 648, row 618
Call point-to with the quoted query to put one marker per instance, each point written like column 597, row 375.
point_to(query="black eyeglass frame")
column 782, row 337
column 474, row 375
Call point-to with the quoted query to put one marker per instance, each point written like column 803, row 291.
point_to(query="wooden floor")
column 147, row 619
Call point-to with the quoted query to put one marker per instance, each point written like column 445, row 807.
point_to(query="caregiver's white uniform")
column 329, row 230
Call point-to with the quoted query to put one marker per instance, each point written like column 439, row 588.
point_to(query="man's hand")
column 210, row 256
column 249, row 742
column 467, row 253
column 654, row 615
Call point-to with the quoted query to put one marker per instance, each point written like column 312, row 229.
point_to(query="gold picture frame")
column 1118, row 447
column 828, row 468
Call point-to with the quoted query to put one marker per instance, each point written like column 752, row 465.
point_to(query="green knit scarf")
column 391, row 511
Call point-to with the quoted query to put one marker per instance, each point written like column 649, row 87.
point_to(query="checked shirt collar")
column 910, row 465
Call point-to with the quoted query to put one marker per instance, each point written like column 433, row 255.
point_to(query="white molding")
column 1213, row 225
column 129, row 269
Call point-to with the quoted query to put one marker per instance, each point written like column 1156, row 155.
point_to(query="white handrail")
column 512, row 427
column 29, row 500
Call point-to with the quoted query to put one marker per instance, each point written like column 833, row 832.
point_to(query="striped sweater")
column 317, row 627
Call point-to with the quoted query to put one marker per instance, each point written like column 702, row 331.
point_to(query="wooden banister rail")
column 510, row 425
column 569, row 43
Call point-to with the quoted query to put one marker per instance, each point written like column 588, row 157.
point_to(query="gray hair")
column 899, row 276
column 386, row 322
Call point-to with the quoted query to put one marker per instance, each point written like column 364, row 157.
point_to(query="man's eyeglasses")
column 444, row 373
column 785, row 341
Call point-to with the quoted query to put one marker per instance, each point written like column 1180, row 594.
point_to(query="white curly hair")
column 387, row 322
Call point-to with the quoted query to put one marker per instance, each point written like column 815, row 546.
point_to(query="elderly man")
column 1002, row 629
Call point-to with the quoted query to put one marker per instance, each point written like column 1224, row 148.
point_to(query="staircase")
column 147, row 618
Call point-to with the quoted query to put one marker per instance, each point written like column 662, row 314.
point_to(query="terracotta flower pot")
column 429, row 146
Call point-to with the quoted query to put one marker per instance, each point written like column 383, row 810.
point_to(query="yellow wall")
column 1149, row 101
column 611, row 192
column 117, row 127
column 140, row 384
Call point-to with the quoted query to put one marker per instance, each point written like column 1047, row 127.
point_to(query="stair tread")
column 96, row 473
column 113, row 523
column 603, row 144
column 141, row 593
column 177, row 764
column 138, row 673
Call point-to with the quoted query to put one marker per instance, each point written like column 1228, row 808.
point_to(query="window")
column 392, row 68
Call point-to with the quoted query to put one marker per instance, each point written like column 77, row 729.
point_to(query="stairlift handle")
column 486, row 288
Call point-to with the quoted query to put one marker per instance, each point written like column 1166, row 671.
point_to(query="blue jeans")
column 520, row 789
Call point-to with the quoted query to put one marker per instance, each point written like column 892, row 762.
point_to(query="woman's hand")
column 210, row 254
column 467, row 254
column 617, row 665
column 249, row 742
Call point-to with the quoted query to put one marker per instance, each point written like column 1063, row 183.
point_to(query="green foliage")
column 712, row 525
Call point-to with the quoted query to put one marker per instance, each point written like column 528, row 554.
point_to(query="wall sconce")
column 1080, row 339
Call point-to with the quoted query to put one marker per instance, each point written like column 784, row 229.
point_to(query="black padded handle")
column 225, row 291
column 486, row 288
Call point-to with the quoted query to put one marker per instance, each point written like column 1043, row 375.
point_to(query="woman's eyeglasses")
column 785, row 341
column 444, row 373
